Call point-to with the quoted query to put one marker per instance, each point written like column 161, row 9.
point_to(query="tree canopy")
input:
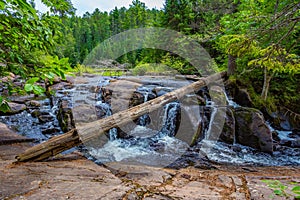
column 257, row 40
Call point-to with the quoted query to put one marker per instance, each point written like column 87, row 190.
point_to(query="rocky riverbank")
column 72, row 176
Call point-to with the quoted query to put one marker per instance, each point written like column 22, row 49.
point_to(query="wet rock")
column 239, row 95
column 217, row 95
column 252, row 130
column 105, row 94
column 35, row 113
column 296, row 143
column 295, row 134
column 65, row 116
column 136, row 99
column 275, row 136
column 193, row 100
column 284, row 119
column 159, row 91
column 46, row 118
column 22, row 99
column 84, row 113
column 228, row 132
column 60, row 86
column 15, row 108
column 190, row 124
column 50, row 130
column 33, row 104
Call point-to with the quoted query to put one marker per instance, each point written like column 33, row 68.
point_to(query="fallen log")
column 89, row 131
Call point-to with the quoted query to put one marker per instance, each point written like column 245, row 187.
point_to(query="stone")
column 240, row 96
column 8, row 136
column 65, row 116
column 60, row 86
column 136, row 99
column 45, row 118
column 252, row 130
column 33, row 103
column 159, row 91
column 228, row 132
column 285, row 119
column 22, row 99
column 15, row 108
column 84, row 113
column 243, row 98
column 122, row 93
column 190, row 124
column 217, row 95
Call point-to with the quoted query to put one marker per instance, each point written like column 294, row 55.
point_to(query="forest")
column 256, row 41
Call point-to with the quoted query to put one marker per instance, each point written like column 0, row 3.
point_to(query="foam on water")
column 161, row 148
column 239, row 154
column 149, row 149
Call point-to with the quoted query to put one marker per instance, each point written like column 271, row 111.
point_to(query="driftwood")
column 89, row 131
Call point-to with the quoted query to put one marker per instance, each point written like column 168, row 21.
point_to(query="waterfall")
column 208, row 133
column 230, row 101
column 170, row 120
column 144, row 119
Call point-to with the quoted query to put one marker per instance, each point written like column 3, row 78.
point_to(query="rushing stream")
column 156, row 140
column 160, row 146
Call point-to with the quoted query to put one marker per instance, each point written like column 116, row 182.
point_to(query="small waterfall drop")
column 170, row 119
column 146, row 92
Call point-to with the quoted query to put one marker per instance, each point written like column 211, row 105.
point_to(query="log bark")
column 92, row 130
column 52, row 147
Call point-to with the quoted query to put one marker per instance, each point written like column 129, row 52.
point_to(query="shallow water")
column 161, row 148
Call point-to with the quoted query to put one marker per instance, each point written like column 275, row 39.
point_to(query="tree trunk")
column 266, row 86
column 91, row 131
column 231, row 65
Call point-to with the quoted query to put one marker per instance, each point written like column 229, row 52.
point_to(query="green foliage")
column 27, row 44
column 262, row 35
column 153, row 69
column 238, row 45
column 280, row 189
column 82, row 34
column 277, row 60
column 178, row 64
column 4, row 107
column 296, row 191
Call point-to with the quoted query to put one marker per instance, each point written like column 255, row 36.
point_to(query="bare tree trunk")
column 266, row 86
column 231, row 65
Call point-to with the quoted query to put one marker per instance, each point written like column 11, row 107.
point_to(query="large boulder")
column 228, row 132
column 120, row 94
column 252, row 130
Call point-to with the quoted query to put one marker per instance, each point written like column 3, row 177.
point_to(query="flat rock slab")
column 72, row 176
column 69, row 177
column 7, row 136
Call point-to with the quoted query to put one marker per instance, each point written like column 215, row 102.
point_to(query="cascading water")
column 38, row 123
column 235, row 153
column 145, row 145
column 160, row 147
column 170, row 119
